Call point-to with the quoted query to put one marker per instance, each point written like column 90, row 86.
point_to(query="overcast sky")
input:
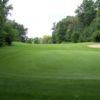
column 39, row 15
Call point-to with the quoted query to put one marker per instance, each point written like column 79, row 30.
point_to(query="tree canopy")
column 79, row 28
column 9, row 30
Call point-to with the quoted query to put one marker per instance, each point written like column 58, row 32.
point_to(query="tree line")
column 83, row 27
column 10, row 30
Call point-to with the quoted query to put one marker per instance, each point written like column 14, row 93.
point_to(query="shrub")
column 96, row 36
column 75, row 37
column 29, row 40
column 36, row 40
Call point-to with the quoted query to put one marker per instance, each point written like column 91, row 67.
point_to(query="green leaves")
column 4, row 10
column 85, row 23
column 86, row 12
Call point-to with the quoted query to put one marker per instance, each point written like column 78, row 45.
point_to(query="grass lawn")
column 49, row 72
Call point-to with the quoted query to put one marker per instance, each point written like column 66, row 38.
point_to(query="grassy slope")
column 49, row 72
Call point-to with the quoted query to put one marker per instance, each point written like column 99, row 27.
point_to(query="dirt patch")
column 94, row 46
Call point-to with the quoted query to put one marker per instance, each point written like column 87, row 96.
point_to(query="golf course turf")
column 49, row 72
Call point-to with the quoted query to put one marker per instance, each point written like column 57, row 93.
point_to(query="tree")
column 96, row 36
column 36, row 40
column 75, row 37
column 79, row 28
column 54, row 33
column 10, row 33
column 97, row 5
column 73, row 26
column 60, row 31
column 21, row 31
column 95, row 28
column 86, row 12
column 4, row 11
column 29, row 40
column 10, row 30
column 47, row 39
column 65, row 28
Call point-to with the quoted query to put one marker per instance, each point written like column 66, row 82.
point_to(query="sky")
column 39, row 15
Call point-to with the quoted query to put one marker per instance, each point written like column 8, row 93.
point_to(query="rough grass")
column 49, row 72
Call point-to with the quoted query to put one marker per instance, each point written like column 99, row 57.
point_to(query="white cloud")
column 39, row 15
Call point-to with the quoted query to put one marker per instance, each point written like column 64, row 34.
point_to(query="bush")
column 75, row 37
column 47, row 39
column 2, row 40
column 36, row 40
column 8, row 39
column 29, row 40
column 96, row 36
column 3, row 35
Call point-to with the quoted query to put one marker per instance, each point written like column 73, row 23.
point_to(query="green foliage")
column 75, row 37
column 9, row 33
column 54, row 33
column 36, row 40
column 96, row 36
column 85, row 23
column 29, row 40
column 9, row 30
column 95, row 27
column 65, row 28
column 21, row 31
column 85, row 36
column 96, row 22
column 97, row 4
column 61, row 31
column 2, row 38
column 4, row 11
column 47, row 39
column 86, row 12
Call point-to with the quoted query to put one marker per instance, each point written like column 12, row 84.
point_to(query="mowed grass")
column 49, row 72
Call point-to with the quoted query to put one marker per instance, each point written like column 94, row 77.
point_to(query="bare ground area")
column 94, row 45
